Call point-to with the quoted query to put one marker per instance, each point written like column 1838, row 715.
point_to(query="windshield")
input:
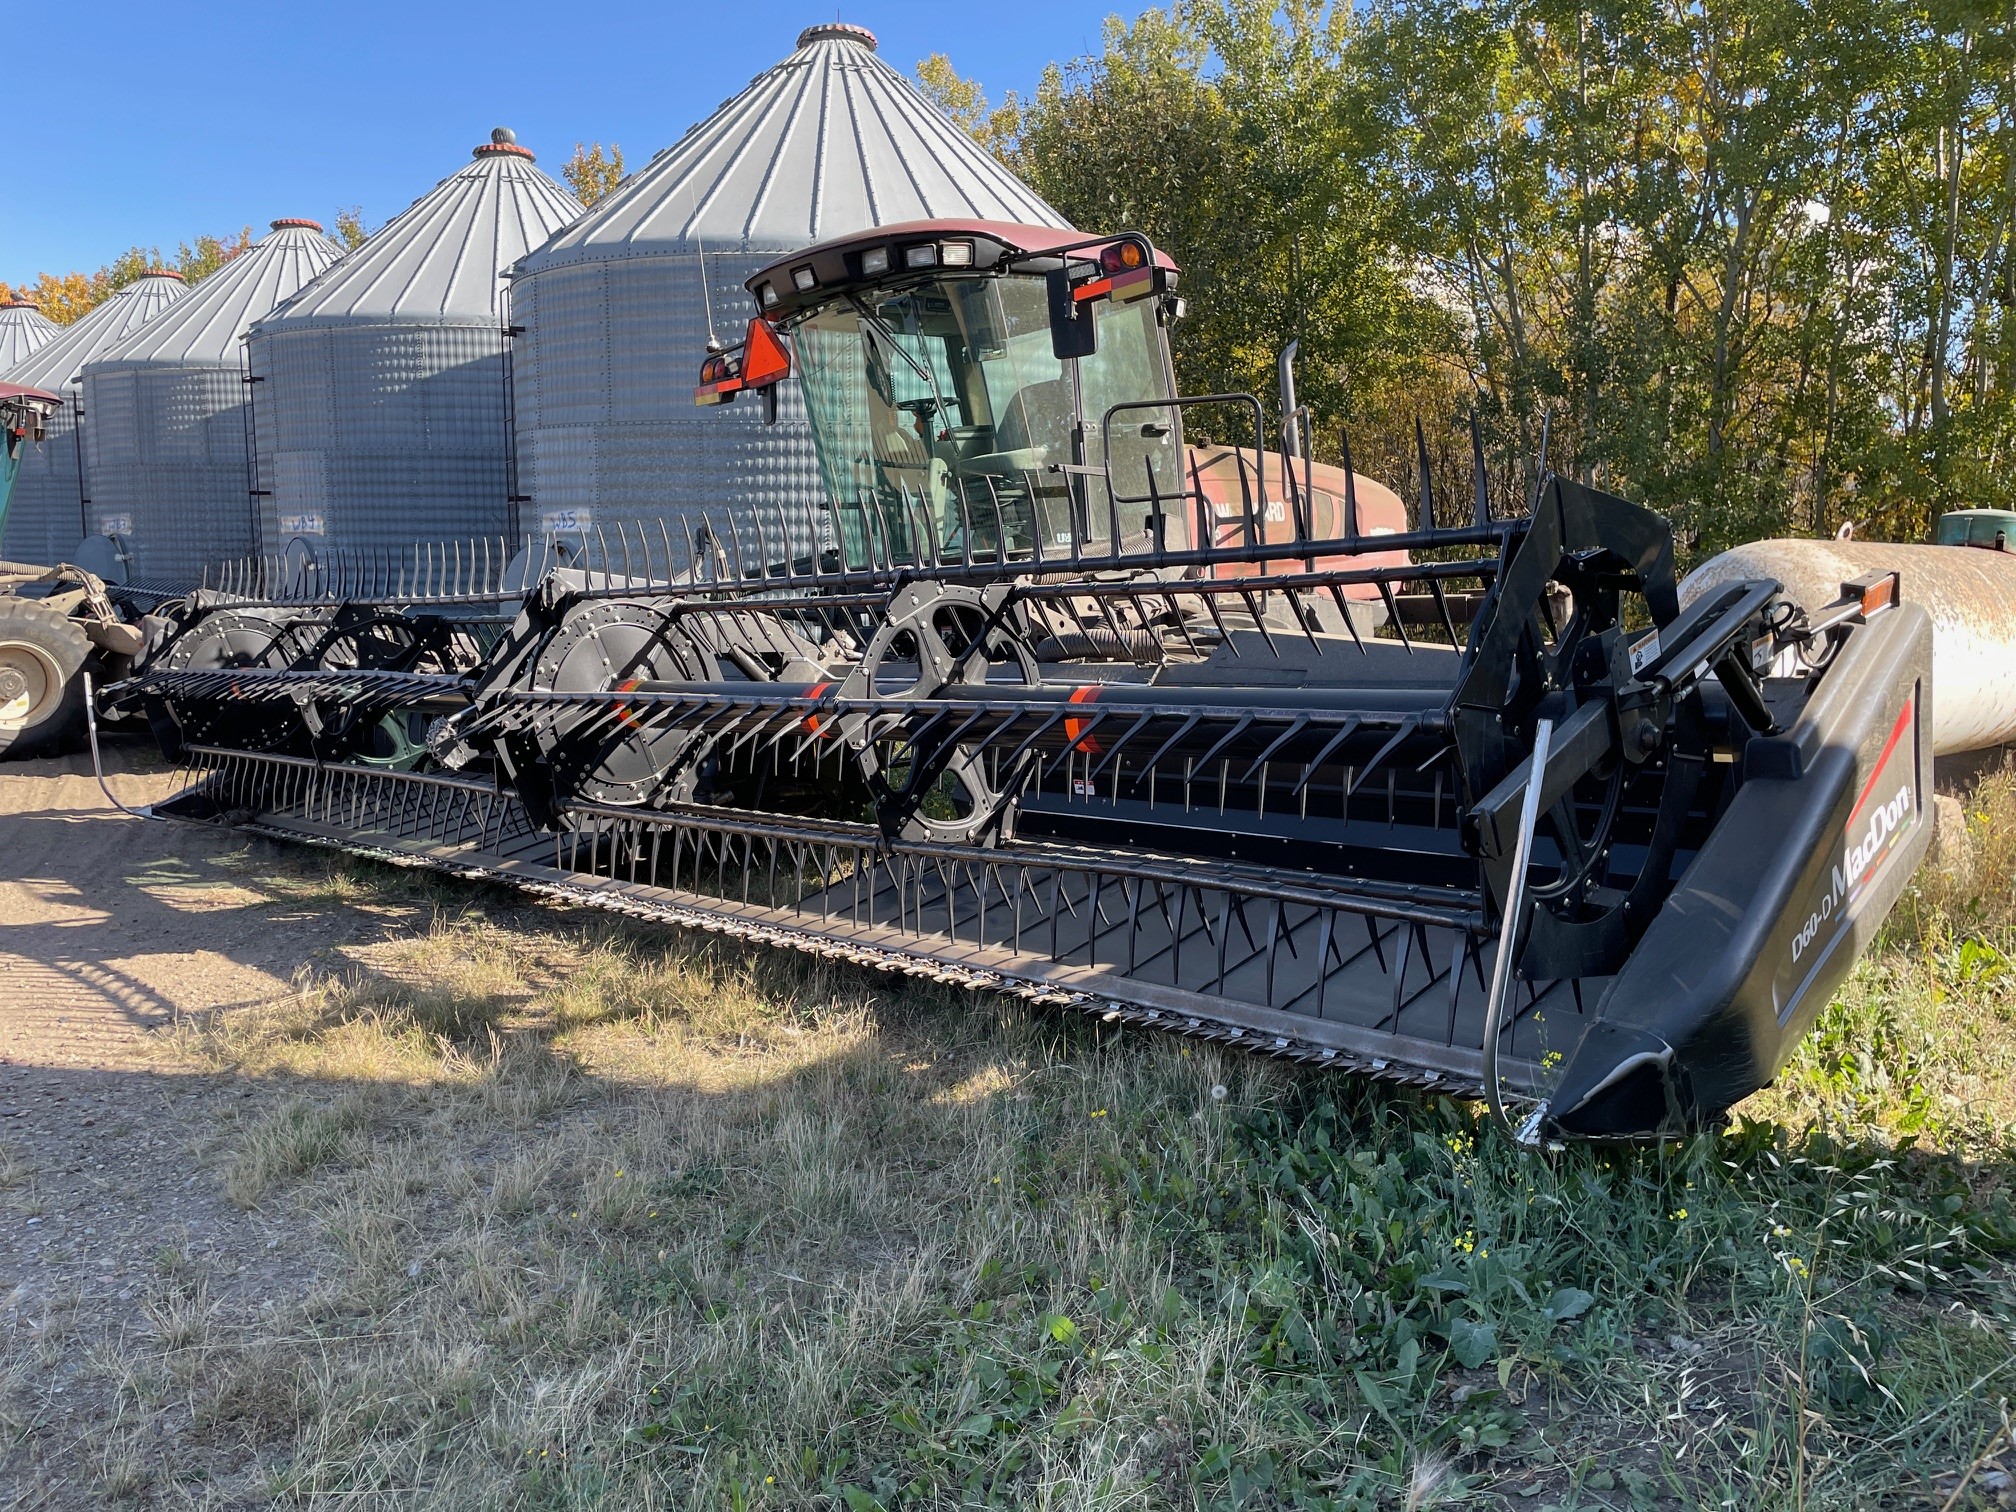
column 945, row 424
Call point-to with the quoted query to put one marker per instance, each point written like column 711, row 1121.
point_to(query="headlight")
column 956, row 254
column 925, row 256
column 874, row 262
column 804, row 279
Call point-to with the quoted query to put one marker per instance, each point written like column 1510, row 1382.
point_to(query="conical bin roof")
column 58, row 363
column 829, row 141
column 204, row 329
column 443, row 260
column 23, row 328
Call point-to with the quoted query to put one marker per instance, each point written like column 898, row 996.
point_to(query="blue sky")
column 156, row 124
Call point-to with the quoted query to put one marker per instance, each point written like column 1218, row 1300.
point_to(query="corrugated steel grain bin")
column 381, row 398
column 168, row 438
column 52, row 510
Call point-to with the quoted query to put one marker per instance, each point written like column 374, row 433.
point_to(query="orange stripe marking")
column 1074, row 729
column 812, row 720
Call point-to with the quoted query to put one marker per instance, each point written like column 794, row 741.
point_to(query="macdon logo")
column 1867, row 845
column 1886, row 824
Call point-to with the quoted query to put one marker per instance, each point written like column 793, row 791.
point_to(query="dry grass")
column 627, row 1219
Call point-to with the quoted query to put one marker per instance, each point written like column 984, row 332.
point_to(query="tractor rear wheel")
column 42, row 656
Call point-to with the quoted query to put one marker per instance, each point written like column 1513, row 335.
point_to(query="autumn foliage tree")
column 993, row 126
column 1754, row 263
column 65, row 297
column 591, row 173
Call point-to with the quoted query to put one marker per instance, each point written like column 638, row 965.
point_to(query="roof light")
column 1122, row 256
column 874, row 262
column 803, row 279
column 769, row 294
column 924, row 255
column 956, row 254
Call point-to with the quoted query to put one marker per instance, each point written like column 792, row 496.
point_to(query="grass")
column 629, row 1219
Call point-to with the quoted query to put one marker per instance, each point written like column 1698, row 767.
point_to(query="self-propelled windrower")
column 1082, row 690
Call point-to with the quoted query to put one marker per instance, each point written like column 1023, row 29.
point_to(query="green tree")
column 1752, row 262
column 1231, row 134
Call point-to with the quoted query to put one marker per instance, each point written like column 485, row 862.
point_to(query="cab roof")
column 837, row 261
column 32, row 395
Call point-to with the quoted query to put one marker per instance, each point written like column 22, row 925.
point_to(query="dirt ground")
column 112, row 928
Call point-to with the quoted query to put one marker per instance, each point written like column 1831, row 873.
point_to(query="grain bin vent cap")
column 503, row 141
column 837, row 31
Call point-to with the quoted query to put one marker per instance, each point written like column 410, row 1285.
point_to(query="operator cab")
column 974, row 386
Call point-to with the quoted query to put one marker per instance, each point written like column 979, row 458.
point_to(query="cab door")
column 1133, row 434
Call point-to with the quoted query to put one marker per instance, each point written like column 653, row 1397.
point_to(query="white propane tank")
column 1969, row 593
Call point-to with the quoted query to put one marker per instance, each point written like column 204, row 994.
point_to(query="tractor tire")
column 42, row 658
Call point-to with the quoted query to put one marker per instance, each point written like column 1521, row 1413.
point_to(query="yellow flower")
column 1679, row 1215
column 1098, row 1112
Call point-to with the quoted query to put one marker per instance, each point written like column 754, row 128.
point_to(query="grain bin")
column 615, row 322
column 53, row 510
column 23, row 328
column 168, row 446
column 381, row 399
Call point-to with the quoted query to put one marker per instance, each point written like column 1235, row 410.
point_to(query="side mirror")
column 1126, row 272
column 760, row 362
column 1072, row 329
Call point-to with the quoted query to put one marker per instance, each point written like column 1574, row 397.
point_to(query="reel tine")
column 1350, row 488
column 1540, row 461
column 1427, row 500
column 1478, row 475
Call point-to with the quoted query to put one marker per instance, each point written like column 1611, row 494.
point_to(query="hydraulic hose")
column 1508, row 940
